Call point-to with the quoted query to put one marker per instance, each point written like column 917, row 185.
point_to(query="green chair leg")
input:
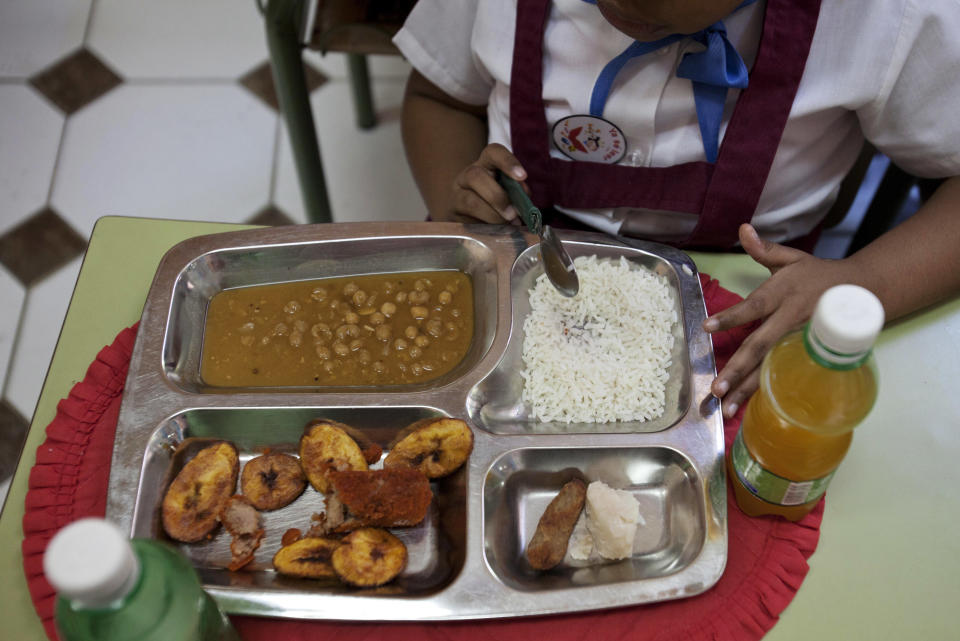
column 360, row 83
column 282, row 18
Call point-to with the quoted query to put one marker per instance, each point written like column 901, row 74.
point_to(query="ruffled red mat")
column 767, row 557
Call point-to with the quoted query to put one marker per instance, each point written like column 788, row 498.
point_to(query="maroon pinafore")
column 723, row 194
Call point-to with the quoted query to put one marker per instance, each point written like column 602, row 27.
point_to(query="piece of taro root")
column 324, row 448
column 549, row 543
column 376, row 498
column 309, row 557
column 271, row 481
column 191, row 506
column 245, row 524
column 369, row 557
column 435, row 446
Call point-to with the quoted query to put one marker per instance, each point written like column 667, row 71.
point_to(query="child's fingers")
column 495, row 156
column 740, row 376
column 771, row 255
column 737, row 397
column 743, row 362
column 783, row 304
column 470, row 205
column 759, row 304
column 477, row 195
column 778, row 290
column 482, row 182
column 472, row 208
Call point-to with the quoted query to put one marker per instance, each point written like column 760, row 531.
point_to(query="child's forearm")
column 441, row 136
column 917, row 263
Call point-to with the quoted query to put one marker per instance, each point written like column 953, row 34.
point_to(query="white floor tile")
column 36, row 33
column 178, row 38
column 29, row 136
column 45, row 307
column 12, row 294
column 192, row 152
column 366, row 171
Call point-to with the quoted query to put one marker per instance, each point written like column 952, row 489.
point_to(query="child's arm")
column 446, row 145
column 913, row 265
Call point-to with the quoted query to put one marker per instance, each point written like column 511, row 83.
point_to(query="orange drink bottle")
column 816, row 385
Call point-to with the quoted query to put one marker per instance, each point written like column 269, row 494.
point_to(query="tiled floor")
column 158, row 109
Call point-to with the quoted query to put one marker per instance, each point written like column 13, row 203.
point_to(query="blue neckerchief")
column 712, row 72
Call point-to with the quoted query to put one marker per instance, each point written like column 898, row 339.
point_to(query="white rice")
column 603, row 355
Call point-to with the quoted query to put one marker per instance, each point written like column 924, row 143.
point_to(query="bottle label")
column 770, row 487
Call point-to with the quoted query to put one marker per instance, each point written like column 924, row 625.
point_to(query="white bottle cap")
column 91, row 563
column 847, row 320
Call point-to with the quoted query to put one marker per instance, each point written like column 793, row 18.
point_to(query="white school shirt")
column 880, row 69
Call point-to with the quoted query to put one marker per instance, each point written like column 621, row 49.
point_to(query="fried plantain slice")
column 245, row 524
column 549, row 543
column 192, row 504
column 371, row 451
column 435, row 446
column 273, row 480
column 325, row 447
column 369, row 557
column 307, row 558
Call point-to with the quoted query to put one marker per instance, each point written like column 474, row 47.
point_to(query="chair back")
column 358, row 26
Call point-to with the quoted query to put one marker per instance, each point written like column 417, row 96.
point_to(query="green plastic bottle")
column 114, row 589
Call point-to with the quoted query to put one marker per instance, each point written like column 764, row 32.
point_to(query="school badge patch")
column 589, row 138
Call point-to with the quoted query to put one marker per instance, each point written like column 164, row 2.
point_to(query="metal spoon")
column 556, row 261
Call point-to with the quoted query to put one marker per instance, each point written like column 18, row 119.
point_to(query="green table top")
column 888, row 562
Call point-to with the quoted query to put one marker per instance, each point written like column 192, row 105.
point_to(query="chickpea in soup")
column 379, row 329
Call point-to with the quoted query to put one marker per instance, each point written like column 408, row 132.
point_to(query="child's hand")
column 784, row 302
column 477, row 197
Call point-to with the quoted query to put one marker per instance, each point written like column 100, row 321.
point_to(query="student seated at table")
column 735, row 134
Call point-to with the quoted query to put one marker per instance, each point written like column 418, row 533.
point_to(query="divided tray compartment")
column 219, row 269
column 496, row 405
column 522, row 483
column 436, row 547
column 466, row 560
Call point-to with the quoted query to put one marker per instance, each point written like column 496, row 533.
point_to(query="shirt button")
column 633, row 159
column 662, row 51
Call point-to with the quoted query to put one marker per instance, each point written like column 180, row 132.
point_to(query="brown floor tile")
column 39, row 246
column 271, row 216
column 75, row 81
column 259, row 82
column 13, row 431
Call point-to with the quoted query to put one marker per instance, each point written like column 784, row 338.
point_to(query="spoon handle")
column 528, row 212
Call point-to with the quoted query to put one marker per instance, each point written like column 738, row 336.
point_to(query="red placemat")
column 766, row 557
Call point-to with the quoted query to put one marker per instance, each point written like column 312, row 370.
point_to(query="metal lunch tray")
column 466, row 559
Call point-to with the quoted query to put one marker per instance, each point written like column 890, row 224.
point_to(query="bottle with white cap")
column 816, row 386
column 111, row 588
